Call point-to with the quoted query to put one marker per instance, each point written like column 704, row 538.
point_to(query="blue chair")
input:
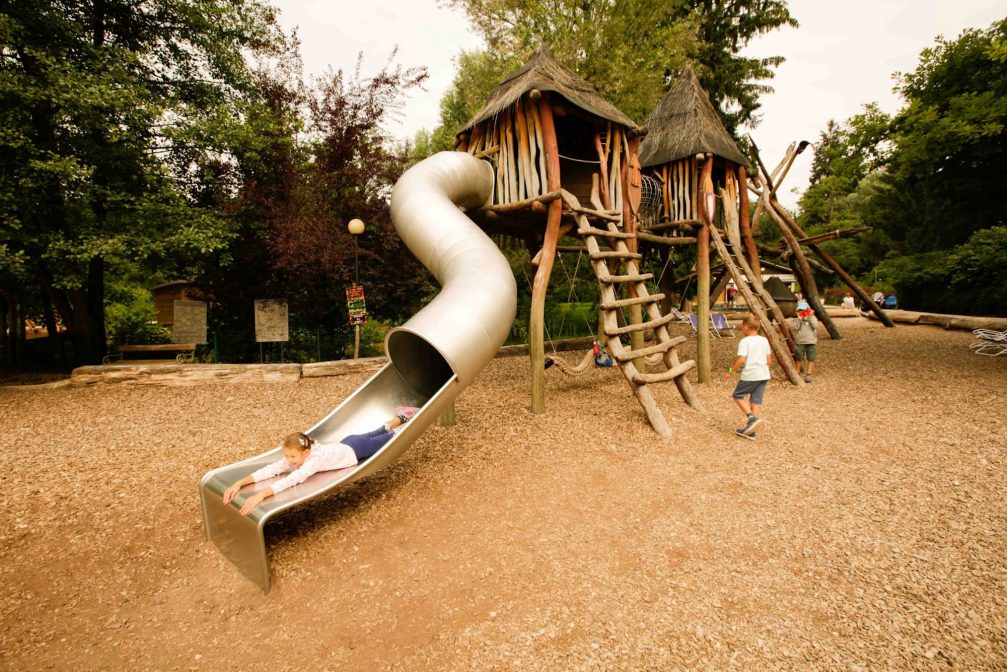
column 891, row 303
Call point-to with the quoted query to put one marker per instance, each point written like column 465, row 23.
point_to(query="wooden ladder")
column 630, row 275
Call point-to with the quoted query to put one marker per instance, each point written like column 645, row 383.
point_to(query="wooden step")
column 622, row 303
column 591, row 231
column 627, row 355
column 616, row 255
column 643, row 326
column 612, row 279
column 670, row 374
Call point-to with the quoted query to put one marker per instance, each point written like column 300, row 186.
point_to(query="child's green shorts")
column 806, row 351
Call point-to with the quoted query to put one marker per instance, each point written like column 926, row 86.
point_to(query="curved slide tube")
column 432, row 357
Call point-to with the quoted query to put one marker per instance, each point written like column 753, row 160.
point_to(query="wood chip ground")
column 864, row 529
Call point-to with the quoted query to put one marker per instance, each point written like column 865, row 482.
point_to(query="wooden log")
column 803, row 271
column 683, row 224
column 779, row 347
column 665, row 212
column 536, row 120
column 760, row 291
column 536, row 184
column 840, row 271
column 744, row 226
column 513, row 162
column 703, row 282
column 564, row 229
column 540, row 284
column 603, row 169
column 615, row 172
column 833, row 235
column 525, row 204
column 524, row 151
column 665, row 240
column 501, row 166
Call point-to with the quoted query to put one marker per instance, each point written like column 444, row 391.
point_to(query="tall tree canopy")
column 926, row 179
column 110, row 109
column 312, row 158
column 630, row 50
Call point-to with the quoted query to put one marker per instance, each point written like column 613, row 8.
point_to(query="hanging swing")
column 597, row 354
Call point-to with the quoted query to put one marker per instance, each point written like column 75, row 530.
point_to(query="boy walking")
column 754, row 358
column 806, row 336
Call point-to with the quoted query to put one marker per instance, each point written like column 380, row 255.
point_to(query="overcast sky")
column 841, row 57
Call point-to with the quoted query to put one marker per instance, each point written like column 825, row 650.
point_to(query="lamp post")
column 356, row 227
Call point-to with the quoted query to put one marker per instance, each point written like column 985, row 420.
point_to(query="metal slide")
column 432, row 357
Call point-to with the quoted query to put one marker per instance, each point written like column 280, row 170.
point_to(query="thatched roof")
column 545, row 73
column 684, row 123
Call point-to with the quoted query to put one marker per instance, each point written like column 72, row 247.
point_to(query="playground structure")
column 544, row 144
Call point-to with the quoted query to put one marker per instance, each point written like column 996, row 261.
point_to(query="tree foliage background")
column 926, row 180
column 631, row 51
column 153, row 140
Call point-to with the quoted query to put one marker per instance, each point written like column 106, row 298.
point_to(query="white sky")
column 842, row 56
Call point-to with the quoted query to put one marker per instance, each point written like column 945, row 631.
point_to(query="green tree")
column 923, row 180
column 110, row 109
column 631, row 50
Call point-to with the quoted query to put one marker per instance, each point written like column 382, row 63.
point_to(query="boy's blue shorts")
column 755, row 388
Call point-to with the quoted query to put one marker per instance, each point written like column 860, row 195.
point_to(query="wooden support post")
column 718, row 287
column 751, row 251
column 841, row 272
column 632, row 146
column 780, row 350
column 803, row 271
column 733, row 235
column 448, row 418
column 703, row 280
column 540, row 285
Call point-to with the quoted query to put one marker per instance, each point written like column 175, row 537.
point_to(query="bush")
column 130, row 317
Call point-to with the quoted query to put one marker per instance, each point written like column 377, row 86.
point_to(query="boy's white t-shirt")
column 755, row 350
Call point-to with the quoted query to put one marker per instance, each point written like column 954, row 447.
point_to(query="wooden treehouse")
column 567, row 164
column 703, row 184
column 700, row 174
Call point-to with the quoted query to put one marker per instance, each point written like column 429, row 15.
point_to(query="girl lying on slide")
column 303, row 456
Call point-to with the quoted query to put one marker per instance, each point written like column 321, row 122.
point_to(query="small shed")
column 167, row 293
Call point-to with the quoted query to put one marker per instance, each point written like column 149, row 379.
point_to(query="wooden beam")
column 703, row 279
column 665, row 240
column 525, row 204
column 776, row 343
column 833, row 235
column 540, row 285
column 744, row 225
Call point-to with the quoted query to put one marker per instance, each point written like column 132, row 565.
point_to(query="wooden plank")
column 671, row 374
column 591, row 231
column 632, row 301
column 615, row 254
column 635, row 277
column 665, row 240
column 628, row 355
column 643, row 326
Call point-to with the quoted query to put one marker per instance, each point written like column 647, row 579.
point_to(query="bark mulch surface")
column 865, row 528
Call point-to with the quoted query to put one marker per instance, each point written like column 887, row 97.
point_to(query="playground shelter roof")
column 545, row 73
column 683, row 124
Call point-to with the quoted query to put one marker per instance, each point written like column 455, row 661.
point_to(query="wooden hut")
column 567, row 163
column 697, row 165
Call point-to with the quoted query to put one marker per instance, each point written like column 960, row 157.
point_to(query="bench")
column 183, row 352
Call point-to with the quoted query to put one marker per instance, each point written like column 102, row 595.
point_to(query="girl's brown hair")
column 299, row 441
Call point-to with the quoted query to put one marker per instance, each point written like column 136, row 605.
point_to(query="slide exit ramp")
column 432, row 357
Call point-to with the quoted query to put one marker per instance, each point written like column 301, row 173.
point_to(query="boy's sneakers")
column 740, row 433
column 750, row 426
column 807, row 377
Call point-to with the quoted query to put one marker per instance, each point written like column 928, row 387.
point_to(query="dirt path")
column 866, row 528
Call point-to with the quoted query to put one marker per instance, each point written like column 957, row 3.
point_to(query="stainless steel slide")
column 432, row 357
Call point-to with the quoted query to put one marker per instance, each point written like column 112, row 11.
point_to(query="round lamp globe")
column 356, row 227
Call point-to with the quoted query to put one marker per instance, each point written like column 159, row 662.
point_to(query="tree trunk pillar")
column 703, row 277
column 540, row 285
